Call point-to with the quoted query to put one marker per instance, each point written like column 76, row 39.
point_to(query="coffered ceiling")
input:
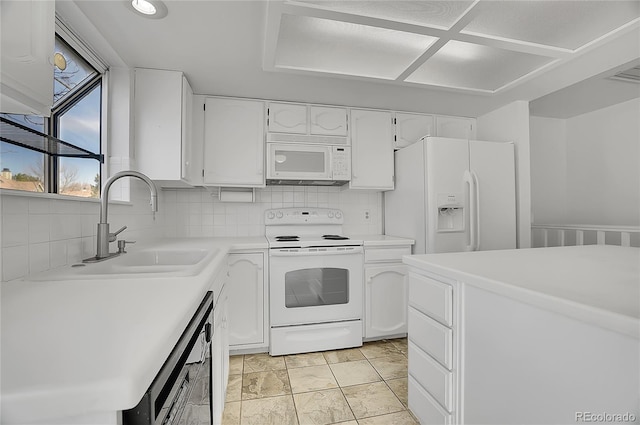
column 475, row 46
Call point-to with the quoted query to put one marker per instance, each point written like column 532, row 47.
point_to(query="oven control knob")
column 279, row 214
column 271, row 215
column 330, row 214
column 338, row 214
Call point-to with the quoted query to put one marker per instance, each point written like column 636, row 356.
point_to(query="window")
column 76, row 118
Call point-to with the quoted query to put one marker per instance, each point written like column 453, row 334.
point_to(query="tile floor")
column 356, row 386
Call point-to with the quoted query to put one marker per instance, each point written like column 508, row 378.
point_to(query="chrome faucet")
column 103, row 236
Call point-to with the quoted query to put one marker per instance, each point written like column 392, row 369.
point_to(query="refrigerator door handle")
column 476, row 203
column 467, row 178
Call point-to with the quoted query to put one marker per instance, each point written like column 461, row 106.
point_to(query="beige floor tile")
column 354, row 373
column 399, row 418
column 391, row 366
column 265, row 384
column 371, row 350
column 306, row 359
column 231, row 414
column 311, row 378
column 262, row 362
column 269, row 411
column 348, row 423
column 235, row 365
column 401, row 344
column 347, row 355
column 234, row 388
column 322, row 407
column 400, row 389
column 372, row 400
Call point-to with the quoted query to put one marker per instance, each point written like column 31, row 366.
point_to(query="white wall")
column 511, row 123
column 592, row 162
column 548, row 170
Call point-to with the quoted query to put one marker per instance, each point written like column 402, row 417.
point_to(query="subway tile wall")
column 41, row 233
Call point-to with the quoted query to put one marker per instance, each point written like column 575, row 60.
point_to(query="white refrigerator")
column 454, row 195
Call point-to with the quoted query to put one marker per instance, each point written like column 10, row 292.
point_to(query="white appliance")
column 323, row 162
column 454, row 195
column 315, row 281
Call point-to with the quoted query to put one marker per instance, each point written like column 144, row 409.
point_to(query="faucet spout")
column 103, row 236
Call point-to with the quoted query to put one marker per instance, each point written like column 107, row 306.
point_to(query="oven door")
column 315, row 285
column 298, row 162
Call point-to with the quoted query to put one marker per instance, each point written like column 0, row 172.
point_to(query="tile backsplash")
column 39, row 233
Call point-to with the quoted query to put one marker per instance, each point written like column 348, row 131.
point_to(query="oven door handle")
column 309, row 252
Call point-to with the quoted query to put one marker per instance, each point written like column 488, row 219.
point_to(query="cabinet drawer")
column 426, row 409
column 437, row 380
column 431, row 337
column 433, row 298
column 374, row 255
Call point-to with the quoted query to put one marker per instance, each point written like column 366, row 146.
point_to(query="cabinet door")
column 411, row 127
column 246, row 298
column 159, row 110
column 328, row 121
column 288, row 118
column 220, row 357
column 385, row 300
column 371, row 150
column 187, row 170
column 27, row 40
column 455, row 127
column 234, row 142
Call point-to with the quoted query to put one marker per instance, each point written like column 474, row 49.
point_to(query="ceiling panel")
column 322, row 45
column 471, row 66
column 565, row 24
column 440, row 14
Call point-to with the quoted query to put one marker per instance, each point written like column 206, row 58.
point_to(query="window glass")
column 70, row 71
column 80, row 126
column 20, row 168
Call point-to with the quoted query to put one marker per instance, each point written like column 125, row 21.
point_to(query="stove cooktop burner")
column 334, row 237
column 287, row 238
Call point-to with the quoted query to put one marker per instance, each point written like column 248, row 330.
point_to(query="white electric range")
column 315, row 281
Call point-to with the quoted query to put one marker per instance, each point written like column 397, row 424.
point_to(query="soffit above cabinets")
column 478, row 46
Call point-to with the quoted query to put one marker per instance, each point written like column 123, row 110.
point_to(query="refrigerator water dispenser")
column 450, row 212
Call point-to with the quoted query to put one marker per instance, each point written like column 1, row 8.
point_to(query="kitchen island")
column 80, row 350
column 539, row 336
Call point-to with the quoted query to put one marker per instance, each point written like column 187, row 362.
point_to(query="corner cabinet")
column 371, row 150
column 248, row 314
column 27, row 40
column 233, row 142
column 163, row 102
column 386, row 292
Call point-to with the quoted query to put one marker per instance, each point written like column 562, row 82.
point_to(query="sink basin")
column 137, row 264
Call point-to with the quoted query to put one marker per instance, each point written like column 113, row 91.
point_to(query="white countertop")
column 382, row 240
column 595, row 283
column 85, row 346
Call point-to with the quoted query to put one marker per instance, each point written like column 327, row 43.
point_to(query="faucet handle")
column 122, row 244
column 113, row 236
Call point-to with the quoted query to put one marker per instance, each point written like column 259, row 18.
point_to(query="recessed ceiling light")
column 154, row 9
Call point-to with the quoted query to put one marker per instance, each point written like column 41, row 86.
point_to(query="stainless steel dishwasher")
column 181, row 394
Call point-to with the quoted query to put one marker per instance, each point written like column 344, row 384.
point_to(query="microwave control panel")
column 341, row 163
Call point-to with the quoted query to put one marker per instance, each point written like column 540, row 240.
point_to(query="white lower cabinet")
column 247, row 301
column 386, row 288
column 433, row 357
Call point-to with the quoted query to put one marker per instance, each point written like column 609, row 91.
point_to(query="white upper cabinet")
column 234, row 142
column 328, row 121
column 162, row 126
column 456, row 127
column 295, row 118
column 411, row 127
column 287, row 118
column 27, row 40
column 371, row 150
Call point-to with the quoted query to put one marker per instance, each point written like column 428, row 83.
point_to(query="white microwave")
column 308, row 164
